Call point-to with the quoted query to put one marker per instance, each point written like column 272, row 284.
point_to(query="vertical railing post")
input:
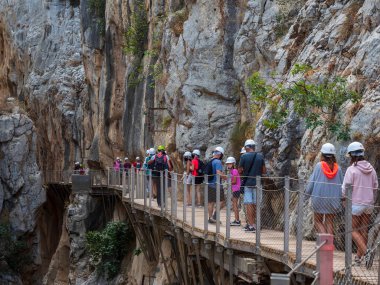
column 162, row 192
column 205, row 196
column 348, row 233
column 150, row 191
column 259, row 190
column 184, row 197
column 166, row 191
column 124, row 185
column 137, row 182
column 108, row 177
column 174, row 195
column 146, row 186
column 325, row 257
column 286, row 215
column 217, row 203
column 133, row 184
column 228, row 210
column 300, row 221
column 193, row 201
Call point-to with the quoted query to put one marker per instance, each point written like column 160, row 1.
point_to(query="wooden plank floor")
column 272, row 241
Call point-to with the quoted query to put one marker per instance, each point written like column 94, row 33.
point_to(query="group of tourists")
column 118, row 165
column 327, row 188
column 243, row 180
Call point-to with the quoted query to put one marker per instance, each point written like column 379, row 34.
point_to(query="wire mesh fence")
column 286, row 216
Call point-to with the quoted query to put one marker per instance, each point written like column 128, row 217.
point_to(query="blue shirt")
column 216, row 165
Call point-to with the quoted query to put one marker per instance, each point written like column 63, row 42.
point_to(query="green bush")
column 14, row 252
column 98, row 9
column 137, row 31
column 108, row 247
column 316, row 101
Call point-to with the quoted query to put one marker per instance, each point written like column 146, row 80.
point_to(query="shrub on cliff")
column 13, row 252
column 108, row 247
column 318, row 101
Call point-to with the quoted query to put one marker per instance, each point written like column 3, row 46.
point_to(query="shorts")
column 358, row 210
column 236, row 194
column 189, row 179
column 250, row 195
column 212, row 194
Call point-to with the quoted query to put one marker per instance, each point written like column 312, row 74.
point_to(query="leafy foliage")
column 136, row 34
column 14, row 252
column 98, row 9
column 108, row 247
column 317, row 101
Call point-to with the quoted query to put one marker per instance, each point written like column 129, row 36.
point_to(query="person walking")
column 137, row 164
column 148, row 169
column 235, row 185
column 127, row 165
column 160, row 162
column 196, row 168
column 363, row 178
column 189, row 180
column 213, row 168
column 251, row 165
column 324, row 188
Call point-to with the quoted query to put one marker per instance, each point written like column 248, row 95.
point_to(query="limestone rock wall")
column 21, row 192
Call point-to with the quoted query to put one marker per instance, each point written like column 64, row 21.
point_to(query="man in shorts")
column 217, row 168
column 251, row 165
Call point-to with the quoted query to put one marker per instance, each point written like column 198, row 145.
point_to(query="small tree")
column 317, row 101
column 108, row 247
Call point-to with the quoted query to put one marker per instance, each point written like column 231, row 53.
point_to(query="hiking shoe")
column 212, row 221
column 235, row 223
column 199, row 206
column 245, row 227
column 250, row 229
column 358, row 260
column 214, row 216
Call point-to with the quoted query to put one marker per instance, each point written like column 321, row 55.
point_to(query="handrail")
column 307, row 258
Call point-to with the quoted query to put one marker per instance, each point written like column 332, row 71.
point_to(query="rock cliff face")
column 100, row 79
column 21, row 192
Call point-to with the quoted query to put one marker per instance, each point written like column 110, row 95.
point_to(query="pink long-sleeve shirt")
column 363, row 178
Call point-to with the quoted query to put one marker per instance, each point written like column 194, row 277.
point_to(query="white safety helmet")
column 187, row 154
column 197, row 152
column 117, row 158
column 249, row 143
column 137, row 158
column 152, row 151
column 328, row 148
column 126, row 158
column 147, row 152
column 243, row 150
column 219, row 149
column 355, row 149
column 77, row 163
column 231, row 160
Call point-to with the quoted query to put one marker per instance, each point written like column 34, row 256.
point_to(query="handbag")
column 244, row 180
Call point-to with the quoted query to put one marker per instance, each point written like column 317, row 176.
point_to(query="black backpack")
column 208, row 170
column 160, row 163
column 201, row 168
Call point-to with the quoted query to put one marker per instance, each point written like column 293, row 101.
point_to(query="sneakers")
column 250, row 230
column 214, row 216
column 212, row 221
column 235, row 223
column 358, row 260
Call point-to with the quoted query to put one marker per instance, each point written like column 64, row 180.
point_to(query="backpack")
column 201, row 168
column 160, row 163
column 208, row 170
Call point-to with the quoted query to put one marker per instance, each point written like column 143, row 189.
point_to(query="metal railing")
column 283, row 217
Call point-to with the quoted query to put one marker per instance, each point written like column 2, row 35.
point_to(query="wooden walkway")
column 272, row 242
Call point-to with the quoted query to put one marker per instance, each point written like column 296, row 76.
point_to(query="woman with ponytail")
column 324, row 188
